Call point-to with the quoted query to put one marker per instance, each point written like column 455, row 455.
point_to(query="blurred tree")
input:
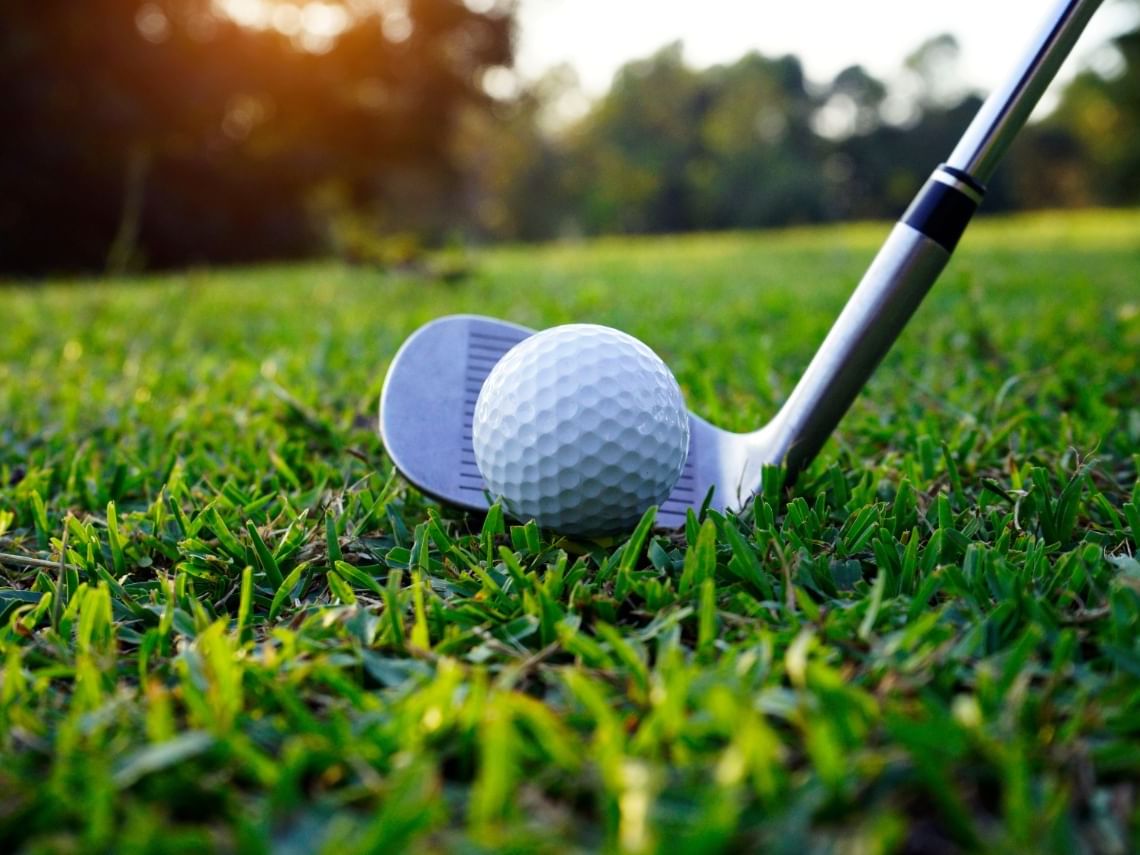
column 516, row 163
column 751, row 144
column 165, row 131
column 861, row 96
column 934, row 65
column 1088, row 146
column 758, row 157
column 670, row 149
column 629, row 156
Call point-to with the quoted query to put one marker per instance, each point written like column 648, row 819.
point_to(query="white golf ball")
column 582, row 428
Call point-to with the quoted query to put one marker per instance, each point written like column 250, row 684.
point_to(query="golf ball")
column 581, row 428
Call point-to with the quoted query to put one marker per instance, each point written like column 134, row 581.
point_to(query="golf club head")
column 428, row 403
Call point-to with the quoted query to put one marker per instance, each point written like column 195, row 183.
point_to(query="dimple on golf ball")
column 580, row 427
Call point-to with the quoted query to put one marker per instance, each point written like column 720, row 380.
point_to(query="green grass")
column 225, row 624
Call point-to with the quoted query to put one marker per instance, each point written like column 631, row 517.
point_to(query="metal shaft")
column 916, row 251
column 1008, row 107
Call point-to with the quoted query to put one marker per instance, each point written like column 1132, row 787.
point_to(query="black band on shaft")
column 941, row 212
column 965, row 177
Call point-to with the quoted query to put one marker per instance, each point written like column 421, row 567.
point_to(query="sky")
column 599, row 36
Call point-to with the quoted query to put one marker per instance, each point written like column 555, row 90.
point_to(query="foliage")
column 165, row 133
column 753, row 144
column 225, row 623
column 1093, row 129
column 161, row 133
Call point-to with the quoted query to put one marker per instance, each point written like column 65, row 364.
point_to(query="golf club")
column 430, row 391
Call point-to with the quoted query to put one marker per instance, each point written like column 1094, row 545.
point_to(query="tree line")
column 753, row 144
column 166, row 133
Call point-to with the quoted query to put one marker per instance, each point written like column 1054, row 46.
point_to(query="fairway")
column 225, row 623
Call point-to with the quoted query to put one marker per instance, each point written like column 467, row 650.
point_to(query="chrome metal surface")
column 428, row 397
column 900, row 276
column 1008, row 107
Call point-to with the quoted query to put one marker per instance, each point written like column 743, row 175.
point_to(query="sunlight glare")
column 324, row 19
column 255, row 14
column 314, row 25
column 287, row 19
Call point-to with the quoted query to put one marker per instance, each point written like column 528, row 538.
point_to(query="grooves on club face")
column 484, row 350
column 428, row 404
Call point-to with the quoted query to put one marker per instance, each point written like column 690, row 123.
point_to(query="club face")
column 428, row 403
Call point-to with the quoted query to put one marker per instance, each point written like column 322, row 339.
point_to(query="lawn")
column 226, row 624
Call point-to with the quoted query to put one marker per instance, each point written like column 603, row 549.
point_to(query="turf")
column 225, row 624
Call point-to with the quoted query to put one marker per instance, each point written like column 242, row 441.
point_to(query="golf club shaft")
column 919, row 247
column 1009, row 106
